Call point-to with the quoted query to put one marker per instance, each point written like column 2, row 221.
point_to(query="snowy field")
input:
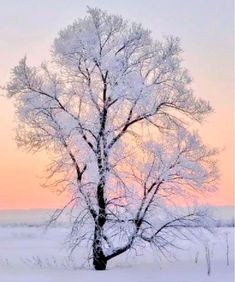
column 28, row 253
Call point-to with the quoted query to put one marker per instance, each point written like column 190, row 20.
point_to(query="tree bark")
column 99, row 259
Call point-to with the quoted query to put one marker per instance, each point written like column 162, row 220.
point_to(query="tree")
column 113, row 106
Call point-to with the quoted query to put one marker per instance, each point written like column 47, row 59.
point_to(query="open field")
column 28, row 253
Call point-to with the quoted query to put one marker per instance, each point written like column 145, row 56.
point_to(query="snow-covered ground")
column 30, row 254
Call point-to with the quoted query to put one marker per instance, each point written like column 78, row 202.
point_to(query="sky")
column 205, row 28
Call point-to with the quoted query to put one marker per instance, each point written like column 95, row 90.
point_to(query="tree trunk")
column 99, row 259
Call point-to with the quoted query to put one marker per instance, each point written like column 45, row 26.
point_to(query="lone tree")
column 113, row 106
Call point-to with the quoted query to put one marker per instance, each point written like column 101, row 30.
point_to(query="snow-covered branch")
column 113, row 105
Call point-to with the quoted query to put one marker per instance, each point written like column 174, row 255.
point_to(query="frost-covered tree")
column 113, row 106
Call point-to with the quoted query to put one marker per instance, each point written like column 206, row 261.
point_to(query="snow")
column 178, row 273
column 106, row 79
column 31, row 254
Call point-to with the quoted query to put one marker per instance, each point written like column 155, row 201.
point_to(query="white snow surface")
column 30, row 254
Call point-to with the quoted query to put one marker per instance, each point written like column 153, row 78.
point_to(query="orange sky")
column 208, row 55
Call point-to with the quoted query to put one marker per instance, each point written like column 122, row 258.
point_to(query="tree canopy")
column 115, row 106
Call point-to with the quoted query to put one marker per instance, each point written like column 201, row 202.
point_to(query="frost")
column 111, row 106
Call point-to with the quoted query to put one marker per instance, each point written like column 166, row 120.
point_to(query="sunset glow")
column 208, row 54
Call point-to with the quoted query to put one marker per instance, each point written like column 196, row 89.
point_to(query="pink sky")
column 206, row 30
